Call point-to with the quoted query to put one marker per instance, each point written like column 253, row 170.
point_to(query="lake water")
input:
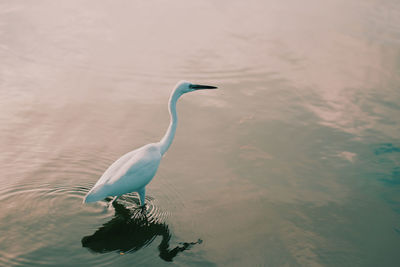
column 294, row 161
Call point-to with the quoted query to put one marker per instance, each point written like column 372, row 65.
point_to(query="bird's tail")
column 95, row 194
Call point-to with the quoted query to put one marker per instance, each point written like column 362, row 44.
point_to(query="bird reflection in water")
column 131, row 230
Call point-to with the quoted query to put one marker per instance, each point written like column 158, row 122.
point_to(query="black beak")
column 199, row 87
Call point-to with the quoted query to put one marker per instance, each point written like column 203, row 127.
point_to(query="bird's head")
column 186, row 87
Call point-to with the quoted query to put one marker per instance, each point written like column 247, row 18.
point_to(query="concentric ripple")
column 153, row 212
column 50, row 221
column 133, row 228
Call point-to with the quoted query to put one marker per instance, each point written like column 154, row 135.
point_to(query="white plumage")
column 134, row 170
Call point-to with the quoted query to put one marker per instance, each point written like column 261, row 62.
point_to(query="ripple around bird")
column 46, row 213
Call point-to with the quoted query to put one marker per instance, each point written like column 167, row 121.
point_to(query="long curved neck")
column 166, row 141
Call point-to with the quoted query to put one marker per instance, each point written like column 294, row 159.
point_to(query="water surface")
column 294, row 161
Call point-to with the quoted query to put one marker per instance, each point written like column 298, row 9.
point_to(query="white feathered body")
column 130, row 173
column 134, row 170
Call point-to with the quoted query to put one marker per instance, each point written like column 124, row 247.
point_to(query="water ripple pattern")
column 39, row 218
column 293, row 161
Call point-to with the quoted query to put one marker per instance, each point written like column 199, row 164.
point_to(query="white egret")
column 134, row 170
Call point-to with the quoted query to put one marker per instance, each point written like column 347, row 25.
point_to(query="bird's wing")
column 133, row 170
column 111, row 171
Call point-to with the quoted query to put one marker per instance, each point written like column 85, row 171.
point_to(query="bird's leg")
column 112, row 201
column 142, row 194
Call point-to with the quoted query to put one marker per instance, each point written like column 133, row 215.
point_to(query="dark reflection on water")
column 387, row 171
column 387, row 157
column 386, row 148
column 129, row 231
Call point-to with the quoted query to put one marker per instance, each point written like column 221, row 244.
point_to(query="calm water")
column 294, row 161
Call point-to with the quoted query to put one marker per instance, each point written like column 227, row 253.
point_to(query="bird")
column 133, row 171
